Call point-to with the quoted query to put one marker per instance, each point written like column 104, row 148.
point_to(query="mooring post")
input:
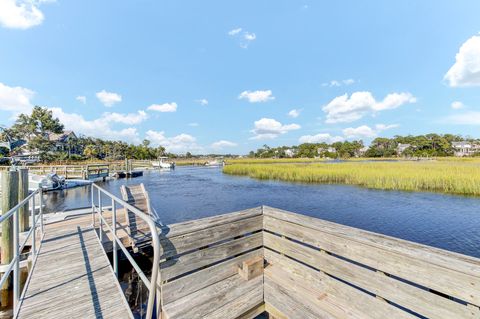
column 9, row 200
column 22, row 194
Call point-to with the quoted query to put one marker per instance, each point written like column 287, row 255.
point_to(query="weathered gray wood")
column 318, row 292
column 24, row 213
column 72, row 278
column 9, row 200
column 186, row 285
column 449, row 280
column 201, row 303
column 254, row 312
column 201, row 258
column 411, row 297
column 187, row 242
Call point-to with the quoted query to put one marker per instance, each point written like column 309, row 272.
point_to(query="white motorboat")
column 163, row 164
column 215, row 163
column 53, row 181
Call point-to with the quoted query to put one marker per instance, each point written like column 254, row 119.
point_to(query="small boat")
column 162, row 164
column 215, row 163
column 53, row 181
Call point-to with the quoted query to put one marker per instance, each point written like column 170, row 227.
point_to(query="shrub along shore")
column 453, row 177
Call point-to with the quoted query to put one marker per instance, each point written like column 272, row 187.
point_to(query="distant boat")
column 215, row 163
column 53, row 181
column 162, row 164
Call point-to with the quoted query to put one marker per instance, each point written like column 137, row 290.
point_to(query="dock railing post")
column 34, row 226
column 114, row 227
column 9, row 180
column 93, row 205
column 40, row 193
column 22, row 194
column 16, row 256
column 100, row 213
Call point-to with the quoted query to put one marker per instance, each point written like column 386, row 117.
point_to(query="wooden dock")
column 72, row 277
column 242, row 264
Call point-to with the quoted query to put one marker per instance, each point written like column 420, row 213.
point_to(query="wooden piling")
column 9, row 182
column 24, row 216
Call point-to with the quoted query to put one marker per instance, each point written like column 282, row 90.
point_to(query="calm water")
column 444, row 221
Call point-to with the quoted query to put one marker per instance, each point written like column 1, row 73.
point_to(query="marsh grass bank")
column 453, row 177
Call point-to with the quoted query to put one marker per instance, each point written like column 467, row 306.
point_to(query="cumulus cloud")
column 294, row 113
column 21, row 14
column 344, row 109
column 177, row 144
column 202, row 102
column 256, row 96
column 365, row 131
column 165, row 107
column 100, row 127
column 269, row 129
column 456, row 105
column 320, row 138
column 222, row 144
column 15, row 99
column 129, row 119
column 108, row 98
column 194, row 124
column 82, row 99
column 337, row 83
column 234, row 31
column 466, row 70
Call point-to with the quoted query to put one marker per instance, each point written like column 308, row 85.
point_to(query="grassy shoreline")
column 452, row 177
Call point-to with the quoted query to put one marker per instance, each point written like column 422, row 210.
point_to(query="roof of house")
column 61, row 137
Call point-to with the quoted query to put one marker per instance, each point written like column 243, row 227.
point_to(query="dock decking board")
column 72, row 277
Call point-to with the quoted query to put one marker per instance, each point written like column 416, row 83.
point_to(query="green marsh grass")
column 454, row 176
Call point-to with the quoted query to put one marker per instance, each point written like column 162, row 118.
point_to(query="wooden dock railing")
column 310, row 269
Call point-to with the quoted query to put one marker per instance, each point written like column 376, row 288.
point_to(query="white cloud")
column 294, row 113
column 82, row 99
column 222, row 144
column 467, row 118
column 344, row 109
column 466, row 70
column 176, row 144
column 100, row 127
column 108, row 98
column 365, row 131
column 320, row 138
column 249, row 36
column 165, row 107
column 256, row 96
column 193, row 124
column 269, row 129
column 129, row 119
column 336, row 83
column 21, row 14
column 234, row 31
column 456, row 105
column 15, row 99
column 203, row 102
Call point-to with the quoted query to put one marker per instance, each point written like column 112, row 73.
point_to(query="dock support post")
column 40, row 193
column 114, row 227
column 34, row 225
column 23, row 211
column 9, row 180
column 100, row 213
column 93, row 205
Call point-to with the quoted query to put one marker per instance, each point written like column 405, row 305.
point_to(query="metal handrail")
column 150, row 284
column 14, row 265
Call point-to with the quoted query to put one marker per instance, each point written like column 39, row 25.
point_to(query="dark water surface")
column 445, row 221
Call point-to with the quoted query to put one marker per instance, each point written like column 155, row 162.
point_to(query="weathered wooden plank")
column 199, row 304
column 314, row 290
column 448, row 259
column 183, row 286
column 179, row 244
column 201, row 258
column 254, row 312
column 208, row 222
column 416, row 299
column 449, row 281
column 239, row 305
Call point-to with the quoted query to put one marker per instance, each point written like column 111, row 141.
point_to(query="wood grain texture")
column 417, row 263
column 72, row 278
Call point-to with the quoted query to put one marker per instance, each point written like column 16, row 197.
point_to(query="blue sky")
column 222, row 76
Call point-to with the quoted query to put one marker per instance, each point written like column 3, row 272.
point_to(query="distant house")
column 322, row 150
column 11, row 145
column 290, row 152
column 362, row 151
column 402, row 147
column 465, row 148
column 64, row 142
